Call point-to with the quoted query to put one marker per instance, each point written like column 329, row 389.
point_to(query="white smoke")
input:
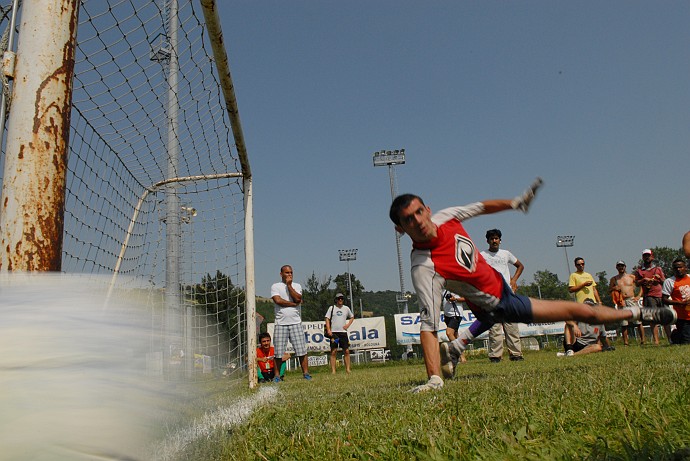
column 72, row 373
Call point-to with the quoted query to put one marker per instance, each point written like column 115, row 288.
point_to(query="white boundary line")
column 223, row 418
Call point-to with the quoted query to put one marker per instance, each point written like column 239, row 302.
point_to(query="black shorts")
column 268, row 375
column 452, row 322
column 343, row 342
column 652, row 301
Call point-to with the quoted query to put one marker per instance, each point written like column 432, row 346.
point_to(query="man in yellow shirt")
column 582, row 283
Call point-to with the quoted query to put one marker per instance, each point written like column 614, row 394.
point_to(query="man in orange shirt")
column 676, row 293
column 265, row 358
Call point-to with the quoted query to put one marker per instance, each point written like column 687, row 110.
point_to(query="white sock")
column 635, row 312
column 464, row 338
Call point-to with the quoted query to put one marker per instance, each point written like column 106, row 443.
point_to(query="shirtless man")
column 622, row 288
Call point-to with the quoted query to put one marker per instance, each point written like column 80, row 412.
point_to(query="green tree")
column 546, row 286
column 603, row 289
column 316, row 297
column 219, row 297
column 223, row 305
column 342, row 286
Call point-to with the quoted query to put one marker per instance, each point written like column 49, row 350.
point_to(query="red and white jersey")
column 453, row 261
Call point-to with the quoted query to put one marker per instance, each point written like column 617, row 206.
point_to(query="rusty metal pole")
column 33, row 189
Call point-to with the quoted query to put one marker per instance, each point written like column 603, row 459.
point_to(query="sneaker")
column 570, row 353
column 560, row 354
column 449, row 361
column 516, row 358
column 494, row 359
column 276, row 379
column 307, row 376
column 660, row 315
column 435, row 383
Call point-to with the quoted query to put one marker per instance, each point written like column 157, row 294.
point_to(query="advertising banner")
column 368, row 333
column 407, row 328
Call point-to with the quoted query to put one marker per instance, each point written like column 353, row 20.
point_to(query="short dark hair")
column 264, row 335
column 679, row 260
column 493, row 233
column 577, row 259
column 400, row 202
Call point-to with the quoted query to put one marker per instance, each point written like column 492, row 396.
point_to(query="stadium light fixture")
column 565, row 241
column 347, row 256
column 389, row 157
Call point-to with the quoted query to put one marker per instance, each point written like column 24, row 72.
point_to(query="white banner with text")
column 368, row 333
column 407, row 328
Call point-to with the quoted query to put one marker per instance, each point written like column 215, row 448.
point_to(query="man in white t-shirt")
column 287, row 301
column 339, row 317
column 500, row 260
column 452, row 316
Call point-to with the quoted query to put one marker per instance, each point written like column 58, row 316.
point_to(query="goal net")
column 155, row 199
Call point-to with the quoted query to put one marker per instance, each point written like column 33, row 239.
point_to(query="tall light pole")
column 565, row 241
column 347, row 256
column 390, row 158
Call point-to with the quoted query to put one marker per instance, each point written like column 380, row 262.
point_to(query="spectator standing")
column 676, row 293
column 622, row 288
column 650, row 278
column 501, row 260
column 582, row 283
column 287, row 300
column 452, row 316
column 338, row 319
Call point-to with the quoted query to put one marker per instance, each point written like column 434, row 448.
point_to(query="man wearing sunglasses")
column 339, row 317
column 582, row 283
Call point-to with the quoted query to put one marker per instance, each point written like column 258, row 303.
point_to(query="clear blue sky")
column 484, row 96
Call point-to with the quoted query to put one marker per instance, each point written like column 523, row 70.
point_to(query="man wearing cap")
column 650, row 278
column 338, row 319
column 622, row 288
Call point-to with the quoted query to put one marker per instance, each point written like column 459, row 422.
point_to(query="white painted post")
column 33, row 189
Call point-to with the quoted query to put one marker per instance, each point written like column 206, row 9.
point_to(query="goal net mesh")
column 154, row 193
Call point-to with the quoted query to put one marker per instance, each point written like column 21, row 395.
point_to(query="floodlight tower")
column 347, row 256
column 390, row 159
column 565, row 241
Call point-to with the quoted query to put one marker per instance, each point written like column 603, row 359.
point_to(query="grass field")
column 633, row 403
